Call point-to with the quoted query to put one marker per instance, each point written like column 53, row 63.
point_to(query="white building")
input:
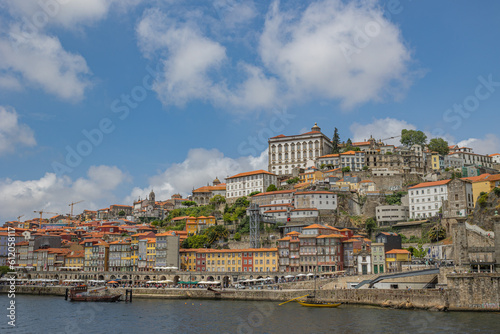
column 391, row 214
column 495, row 158
column 289, row 152
column 355, row 160
column 245, row 183
column 473, row 159
column 321, row 200
column 453, row 162
column 426, row 199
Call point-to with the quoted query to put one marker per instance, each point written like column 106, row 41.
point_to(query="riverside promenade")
column 465, row 292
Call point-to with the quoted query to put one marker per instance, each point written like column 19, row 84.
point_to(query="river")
column 49, row 314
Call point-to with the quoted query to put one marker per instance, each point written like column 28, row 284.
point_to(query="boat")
column 318, row 304
column 81, row 293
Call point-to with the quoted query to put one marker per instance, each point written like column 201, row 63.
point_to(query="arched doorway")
column 210, row 279
column 112, row 277
column 101, row 277
column 124, row 277
column 162, row 278
column 176, row 279
column 225, row 281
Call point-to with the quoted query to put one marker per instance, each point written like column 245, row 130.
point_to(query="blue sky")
column 176, row 93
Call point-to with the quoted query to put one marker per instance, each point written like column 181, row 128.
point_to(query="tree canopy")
column 271, row 187
column 218, row 199
column 336, row 142
column 413, row 137
column 439, row 145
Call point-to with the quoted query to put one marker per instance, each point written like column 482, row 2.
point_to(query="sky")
column 103, row 100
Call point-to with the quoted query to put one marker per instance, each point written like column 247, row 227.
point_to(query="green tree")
column 439, row 145
column 346, row 169
column 420, row 252
column 293, row 180
column 413, row 137
column 436, row 233
column 237, row 236
column 121, row 213
column 395, row 199
column 215, row 233
column 189, row 203
column 217, row 200
column 195, row 241
column 241, row 202
column 4, row 270
column 365, row 168
column 253, row 193
column 370, row 226
column 271, row 187
column 336, row 142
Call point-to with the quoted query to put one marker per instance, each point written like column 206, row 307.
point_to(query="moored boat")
column 318, row 304
column 81, row 293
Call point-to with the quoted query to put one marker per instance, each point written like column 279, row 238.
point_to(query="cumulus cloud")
column 488, row 145
column 380, row 129
column 300, row 56
column 200, row 167
column 53, row 194
column 41, row 61
column 12, row 133
column 335, row 50
column 68, row 14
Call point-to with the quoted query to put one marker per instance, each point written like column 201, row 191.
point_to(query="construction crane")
column 71, row 205
column 41, row 212
column 394, row 137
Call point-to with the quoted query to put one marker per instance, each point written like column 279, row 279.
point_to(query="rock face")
column 483, row 216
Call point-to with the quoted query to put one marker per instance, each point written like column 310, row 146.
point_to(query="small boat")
column 318, row 304
column 81, row 293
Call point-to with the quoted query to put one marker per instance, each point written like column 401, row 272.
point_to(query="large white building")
column 473, row 159
column 426, row 199
column 495, row 158
column 244, row 184
column 289, row 152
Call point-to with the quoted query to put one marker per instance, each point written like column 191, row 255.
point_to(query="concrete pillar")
column 497, row 243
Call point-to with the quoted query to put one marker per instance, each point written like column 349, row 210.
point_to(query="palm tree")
column 217, row 232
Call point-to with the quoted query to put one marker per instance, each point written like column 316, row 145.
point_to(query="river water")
column 49, row 314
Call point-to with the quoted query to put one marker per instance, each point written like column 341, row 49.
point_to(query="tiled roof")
column 430, row 184
column 398, row 251
column 255, row 172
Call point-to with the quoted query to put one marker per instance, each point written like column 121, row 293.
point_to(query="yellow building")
column 75, row 260
column 230, row 260
column 194, row 225
column 188, row 259
column 395, row 258
column 151, row 253
column 265, row 259
column 311, row 175
column 482, row 183
column 435, row 164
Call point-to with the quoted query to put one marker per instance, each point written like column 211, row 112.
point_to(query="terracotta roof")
column 255, row 172
column 272, row 211
column 477, row 178
column 398, row 251
column 306, row 209
column 331, row 236
column 494, row 154
column 314, row 226
column 361, row 143
column 329, row 155
column 274, row 193
column 293, row 233
column 313, row 192
column 285, row 239
column 430, row 184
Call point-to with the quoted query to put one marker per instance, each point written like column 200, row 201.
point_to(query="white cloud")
column 13, row 133
column 308, row 52
column 234, row 13
column 67, row 13
column 488, row 145
column 380, row 129
column 199, row 167
column 299, row 57
column 40, row 60
column 53, row 194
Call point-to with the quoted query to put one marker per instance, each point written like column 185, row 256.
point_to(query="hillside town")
column 323, row 207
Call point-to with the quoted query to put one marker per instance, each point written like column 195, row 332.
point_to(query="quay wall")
column 466, row 293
